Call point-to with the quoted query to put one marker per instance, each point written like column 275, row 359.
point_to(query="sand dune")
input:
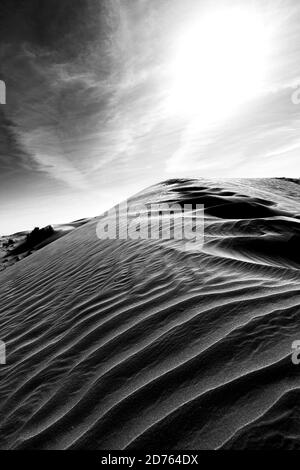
column 138, row 344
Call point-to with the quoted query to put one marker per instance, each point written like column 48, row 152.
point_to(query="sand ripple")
column 138, row 344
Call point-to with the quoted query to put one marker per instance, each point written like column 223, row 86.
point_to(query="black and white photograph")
column 149, row 228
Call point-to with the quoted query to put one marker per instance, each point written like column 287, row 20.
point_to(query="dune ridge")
column 138, row 344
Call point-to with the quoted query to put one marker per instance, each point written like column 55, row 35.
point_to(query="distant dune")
column 18, row 246
column 139, row 344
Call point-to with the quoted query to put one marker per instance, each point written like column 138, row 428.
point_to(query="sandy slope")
column 140, row 344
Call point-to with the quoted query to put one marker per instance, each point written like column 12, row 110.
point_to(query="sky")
column 106, row 97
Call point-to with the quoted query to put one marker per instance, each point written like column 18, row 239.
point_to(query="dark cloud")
column 12, row 155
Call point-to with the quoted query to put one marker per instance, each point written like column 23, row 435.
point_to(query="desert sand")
column 138, row 344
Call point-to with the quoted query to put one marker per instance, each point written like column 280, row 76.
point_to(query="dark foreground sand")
column 140, row 344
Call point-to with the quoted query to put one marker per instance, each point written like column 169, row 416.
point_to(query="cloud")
column 87, row 94
column 261, row 139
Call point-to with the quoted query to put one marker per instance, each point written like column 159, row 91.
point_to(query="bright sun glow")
column 220, row 63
